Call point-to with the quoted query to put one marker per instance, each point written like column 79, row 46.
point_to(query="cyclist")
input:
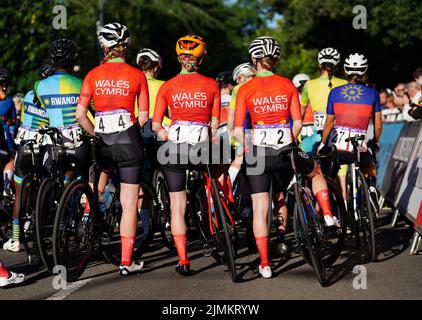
column 33, row 117
column 8, row 117
column 299, row 81
column 194, row 102
column 315, row 93
column 271, row 99
column 349, row 110
column 58, row 94
column 225, row 82
column 7, row 277
column 114, row 86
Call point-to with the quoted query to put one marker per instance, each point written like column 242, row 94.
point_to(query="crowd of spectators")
column 404, row 103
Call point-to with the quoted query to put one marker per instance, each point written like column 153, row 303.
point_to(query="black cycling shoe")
column 183, row 269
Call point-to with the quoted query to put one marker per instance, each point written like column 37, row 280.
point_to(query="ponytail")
column 119, row 51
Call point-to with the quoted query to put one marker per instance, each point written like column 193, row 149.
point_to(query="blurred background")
column 392, row 40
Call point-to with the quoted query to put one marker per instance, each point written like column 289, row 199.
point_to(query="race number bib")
column 273, row 136
column 339, row 135
column 72, row 134
column 27, row 134
column 189, row 132
column 319, row 120
column 307, row 131
column 112, row 121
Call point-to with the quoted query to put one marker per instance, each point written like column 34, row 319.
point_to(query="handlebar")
column 355, row 139
column 92, row 139
column 49, row 130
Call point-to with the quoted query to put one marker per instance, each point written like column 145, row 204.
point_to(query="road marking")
column 62, row 294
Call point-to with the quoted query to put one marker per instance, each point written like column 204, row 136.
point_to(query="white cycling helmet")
column 356, row 64
column 113, row 34
column 329, row 55
column 265, row 47
column 300, row 79
column 153, row 55
column 245, row 69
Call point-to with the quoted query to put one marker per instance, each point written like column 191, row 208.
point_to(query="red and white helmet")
column 356, row 64
column 113, row 34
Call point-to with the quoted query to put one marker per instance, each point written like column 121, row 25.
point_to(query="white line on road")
column 62, row 294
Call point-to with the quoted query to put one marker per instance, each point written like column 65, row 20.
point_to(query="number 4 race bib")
column 112, row 121
column 26, row 134
column 339, row 135
column 273, row 136
column 189, row 132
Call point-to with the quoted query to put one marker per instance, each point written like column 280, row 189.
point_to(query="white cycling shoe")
column 15, row 278
column 331, row 221
column 12, row 246
column 265, row 272
column 136, row 266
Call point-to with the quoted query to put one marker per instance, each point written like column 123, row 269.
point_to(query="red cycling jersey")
column 115, row 85
column 192, row 97
column 269, row 98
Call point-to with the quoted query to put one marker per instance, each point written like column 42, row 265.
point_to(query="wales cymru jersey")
column 59, row 96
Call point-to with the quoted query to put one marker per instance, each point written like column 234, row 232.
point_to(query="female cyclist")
column 271, row 99
column 194, row 102
column 114, row 86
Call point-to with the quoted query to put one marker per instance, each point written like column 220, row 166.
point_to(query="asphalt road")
column 395, row 275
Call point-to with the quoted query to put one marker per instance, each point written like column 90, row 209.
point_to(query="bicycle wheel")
column 164, row 213
column 224, row 232
column 366, row 216
column 47, row 202
column 27, row 205
column 334, row 237
column 308, row 232
column 73, row 232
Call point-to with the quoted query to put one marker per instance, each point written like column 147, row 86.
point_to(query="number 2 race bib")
column 189, row 132
column 273, row 136
column 339, row 135
column 112, row 121
column 319, row 120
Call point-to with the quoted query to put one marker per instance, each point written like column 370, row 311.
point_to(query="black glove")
column 373, row 146
column 323, row 151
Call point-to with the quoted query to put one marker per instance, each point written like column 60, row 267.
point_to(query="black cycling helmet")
column 46, row 70
column 5, row 76
column 62, row 52
column 225, row 78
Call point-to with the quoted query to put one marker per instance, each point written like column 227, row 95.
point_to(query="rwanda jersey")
column 353, row 105
column 271, row 100
column 8, row 115
column 33, row 116
column 59, row 96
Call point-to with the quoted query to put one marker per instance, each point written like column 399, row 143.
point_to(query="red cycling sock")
column 226, row 187
column 127, row 250
column 4, row 273
column 324, row 202
column 87, row 207
column 180, row 242
column 262, row 244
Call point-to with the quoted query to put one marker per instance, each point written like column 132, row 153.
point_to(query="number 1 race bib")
column 319, row 120
column 339, row 135
column 272, row 136
column 189, row 132
column 112, row 121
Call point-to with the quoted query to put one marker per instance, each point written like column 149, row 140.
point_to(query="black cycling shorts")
column 125, row 150
column 277, row 164
column 345, row 157
column 23, row 163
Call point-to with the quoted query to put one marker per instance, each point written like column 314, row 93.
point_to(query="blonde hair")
column 120, row 51
column 189, row 66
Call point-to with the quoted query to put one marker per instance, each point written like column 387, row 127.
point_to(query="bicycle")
column 49, row 195
column 359, row 202
column 80, row 228
column 320, row 246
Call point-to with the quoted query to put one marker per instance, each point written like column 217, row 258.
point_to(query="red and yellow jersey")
column 115, row 85
column 270, row 99
column 224, row 111
column 191, row 97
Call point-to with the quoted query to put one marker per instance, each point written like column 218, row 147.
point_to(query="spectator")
column 400, row 97
column 417, row 75
column 391, row 113
column 383, row 98
column 412, row 110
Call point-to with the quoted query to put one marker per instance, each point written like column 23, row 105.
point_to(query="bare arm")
column 377, row 126
column 82, row 117
column 297, row 127
column 329, row 124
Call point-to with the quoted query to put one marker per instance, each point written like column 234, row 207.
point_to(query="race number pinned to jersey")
column 319, row 120
column 73, row 134
column 112, row 121
column 339, row 135
column 272, row 136
column 189, row 132
column 26, row 134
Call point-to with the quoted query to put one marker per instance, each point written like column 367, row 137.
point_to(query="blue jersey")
column 8, row 117
column 33, row 115
column 59, row 96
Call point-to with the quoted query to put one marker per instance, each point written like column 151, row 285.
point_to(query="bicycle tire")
column 367, row 217
column 227, row 243
column 68, row 222
column 27, row 205
column 308, row 241
column 47, row 203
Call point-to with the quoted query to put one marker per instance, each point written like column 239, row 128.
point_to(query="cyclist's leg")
column 8, row 177
column 7, row 277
